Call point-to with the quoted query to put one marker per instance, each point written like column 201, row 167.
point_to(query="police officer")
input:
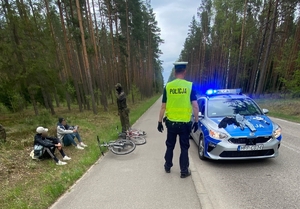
column 123, row 111
column 178, row 102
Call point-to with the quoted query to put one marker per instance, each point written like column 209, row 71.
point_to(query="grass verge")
column 287, row 109
column 26, row 183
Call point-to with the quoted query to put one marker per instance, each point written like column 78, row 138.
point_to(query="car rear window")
column 230, row 107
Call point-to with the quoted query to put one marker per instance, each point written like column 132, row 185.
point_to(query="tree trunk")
column 262, row 76
column 128, row 69
column 86, row 61
column 257, row 72
column 97, row 63
column 50, row 103
column 110, row 19
column 237, row 81
column 56, row 98
column 58, row 55
column 69, row 56
column 2, row 134
column 32, row 98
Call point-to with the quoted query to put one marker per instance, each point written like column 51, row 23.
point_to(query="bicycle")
column 118, row 147
column 138, row 132
column 137, row 136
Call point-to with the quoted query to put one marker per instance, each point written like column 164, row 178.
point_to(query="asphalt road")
column 260, row 184
column 138, row 180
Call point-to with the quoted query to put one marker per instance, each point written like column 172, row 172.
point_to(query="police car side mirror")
column 265, row 111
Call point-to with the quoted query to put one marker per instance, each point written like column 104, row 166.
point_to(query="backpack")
column 38, row 151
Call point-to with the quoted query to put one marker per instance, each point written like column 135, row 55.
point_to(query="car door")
column 201, row 104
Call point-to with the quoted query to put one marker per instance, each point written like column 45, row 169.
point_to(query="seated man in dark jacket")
column 49, row 145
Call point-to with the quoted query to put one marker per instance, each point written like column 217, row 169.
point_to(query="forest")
column 249, row 44
column 75, row 51
column 55, row 52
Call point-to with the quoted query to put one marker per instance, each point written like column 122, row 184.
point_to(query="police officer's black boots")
column 184, row 175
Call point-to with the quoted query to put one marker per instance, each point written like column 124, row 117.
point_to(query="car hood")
column 262, row 124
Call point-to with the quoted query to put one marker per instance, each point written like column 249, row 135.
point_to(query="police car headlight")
column 217, row 135
column 277, row 131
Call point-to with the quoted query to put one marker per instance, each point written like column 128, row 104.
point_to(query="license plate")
column 250, row 147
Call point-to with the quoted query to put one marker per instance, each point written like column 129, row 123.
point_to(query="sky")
column 174, row 18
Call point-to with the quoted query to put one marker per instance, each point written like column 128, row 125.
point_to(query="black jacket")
column 45, row 142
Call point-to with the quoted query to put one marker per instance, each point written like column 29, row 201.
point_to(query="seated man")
column 49, row 145
column 67, row 134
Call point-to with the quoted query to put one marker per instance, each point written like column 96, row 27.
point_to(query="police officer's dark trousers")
column 183, row 130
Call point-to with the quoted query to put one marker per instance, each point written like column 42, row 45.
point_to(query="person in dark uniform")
column 179, row 102
column 123, row 111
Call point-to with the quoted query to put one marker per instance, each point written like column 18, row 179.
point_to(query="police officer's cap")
column 180, row 66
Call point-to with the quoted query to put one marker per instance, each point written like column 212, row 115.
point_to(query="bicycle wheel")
column 122, row 147
column 138, row 140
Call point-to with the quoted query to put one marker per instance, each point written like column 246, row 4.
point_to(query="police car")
column 233, row 127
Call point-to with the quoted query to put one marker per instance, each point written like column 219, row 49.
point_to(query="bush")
column 44, row 118
column 3, row 109
column 135, row 92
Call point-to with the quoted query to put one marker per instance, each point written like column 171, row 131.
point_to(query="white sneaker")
column 79, row 147
column 66, row 158
column 61, row 163
column 82, row 144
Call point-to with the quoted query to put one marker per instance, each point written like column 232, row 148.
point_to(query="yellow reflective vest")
column 178, row 106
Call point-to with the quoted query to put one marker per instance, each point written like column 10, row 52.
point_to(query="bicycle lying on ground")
column 137, row 132
column 137, row 136
column 118, row 147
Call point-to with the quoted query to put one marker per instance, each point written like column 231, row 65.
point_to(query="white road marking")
column 289, row 146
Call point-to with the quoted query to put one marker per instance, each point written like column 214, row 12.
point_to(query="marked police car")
column 233, row 127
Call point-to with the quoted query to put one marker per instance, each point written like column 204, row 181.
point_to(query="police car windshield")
column 230, row 107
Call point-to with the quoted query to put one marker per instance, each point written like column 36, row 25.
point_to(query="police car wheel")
column 201, row 148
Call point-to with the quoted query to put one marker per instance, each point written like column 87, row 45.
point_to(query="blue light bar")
column 210, row 92
column 223, row 91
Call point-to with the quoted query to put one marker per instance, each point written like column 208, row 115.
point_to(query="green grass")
column 287, row 109
column 26, row 183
